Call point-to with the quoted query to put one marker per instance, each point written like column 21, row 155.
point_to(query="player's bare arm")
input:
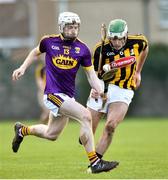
column 94, row 82
column 142, row 59
column 140, row 63
column 17, row 73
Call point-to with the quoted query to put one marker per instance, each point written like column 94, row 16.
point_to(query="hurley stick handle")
column 103, row 37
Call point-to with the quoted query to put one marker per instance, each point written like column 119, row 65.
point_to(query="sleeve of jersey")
column 86, row 61
column 144, row 42
column 43, row 44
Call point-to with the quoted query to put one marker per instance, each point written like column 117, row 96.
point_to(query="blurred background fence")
column 24, row 22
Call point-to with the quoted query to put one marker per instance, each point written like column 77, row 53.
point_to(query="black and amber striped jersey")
column 135, row 44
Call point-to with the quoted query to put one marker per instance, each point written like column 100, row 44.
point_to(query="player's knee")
column 84, row 138
column 51, row 137
column 110, row 127
column 87, row 118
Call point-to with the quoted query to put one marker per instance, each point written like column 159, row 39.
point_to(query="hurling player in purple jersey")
column 64, row 53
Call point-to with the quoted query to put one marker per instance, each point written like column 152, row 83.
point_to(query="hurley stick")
column 103, row 37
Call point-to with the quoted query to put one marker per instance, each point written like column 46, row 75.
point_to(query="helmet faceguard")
column 67, row 18
column 117, row 29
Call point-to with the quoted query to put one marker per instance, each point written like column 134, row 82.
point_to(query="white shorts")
column 54, row 101
column 114, row 94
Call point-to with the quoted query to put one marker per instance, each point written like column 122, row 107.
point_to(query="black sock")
column 99, row 155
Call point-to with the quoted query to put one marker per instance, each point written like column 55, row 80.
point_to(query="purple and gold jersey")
column 63, row 59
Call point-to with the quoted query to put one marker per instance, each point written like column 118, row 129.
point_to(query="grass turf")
column 140, row 145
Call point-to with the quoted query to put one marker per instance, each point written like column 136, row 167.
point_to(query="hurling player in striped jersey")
column 120, row 90
column 64, row 54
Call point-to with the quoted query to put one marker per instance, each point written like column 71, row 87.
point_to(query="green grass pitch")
column 140, row 145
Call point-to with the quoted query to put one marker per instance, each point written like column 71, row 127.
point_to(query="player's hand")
column 94, row 94
column 18, row 73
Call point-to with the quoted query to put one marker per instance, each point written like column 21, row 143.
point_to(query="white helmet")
column 67, row 18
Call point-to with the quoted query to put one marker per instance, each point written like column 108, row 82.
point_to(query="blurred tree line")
column 151, row 97
column 18, row 100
